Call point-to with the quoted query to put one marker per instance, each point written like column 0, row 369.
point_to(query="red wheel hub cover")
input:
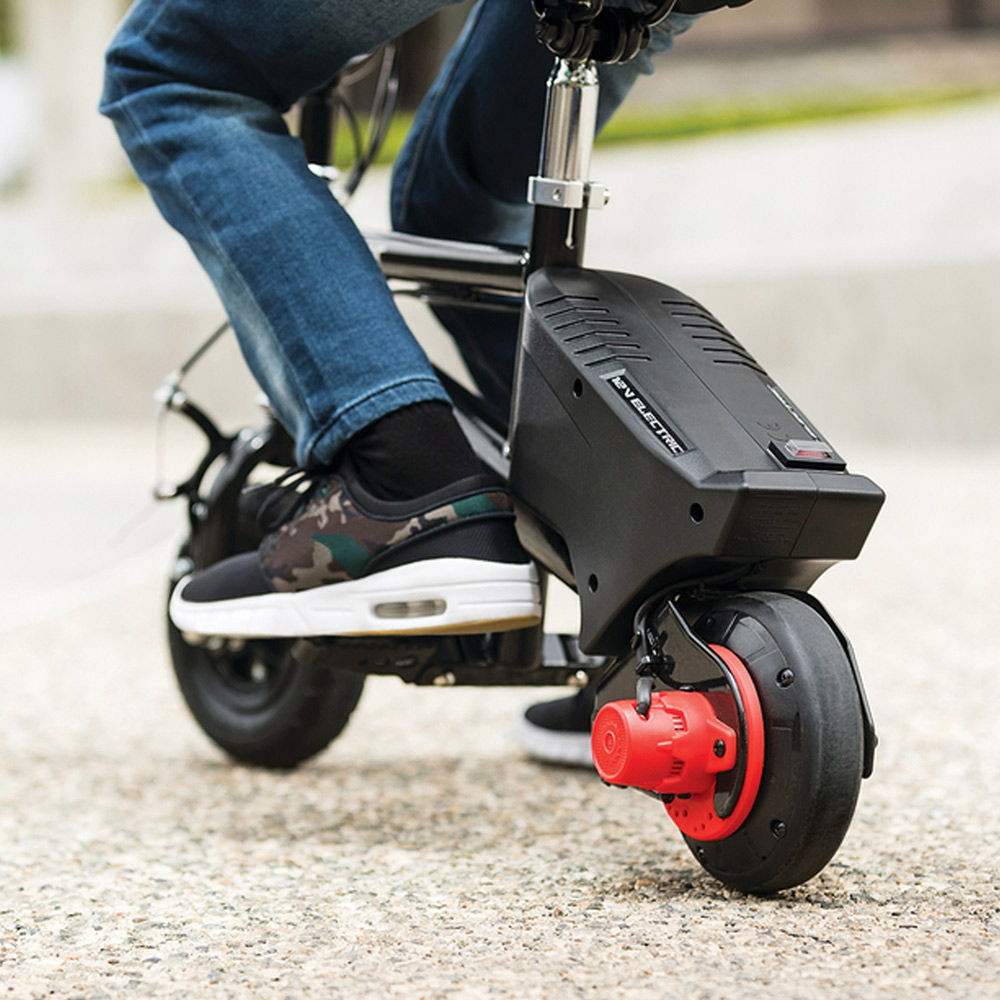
column 680, row 748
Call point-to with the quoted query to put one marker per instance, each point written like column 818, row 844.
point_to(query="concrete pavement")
column 423, row 856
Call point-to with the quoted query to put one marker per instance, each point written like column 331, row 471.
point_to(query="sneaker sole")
column 448, row 596
column 553, row 747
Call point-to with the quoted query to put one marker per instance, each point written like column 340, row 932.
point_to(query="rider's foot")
column 558, row 732
column 350, row 563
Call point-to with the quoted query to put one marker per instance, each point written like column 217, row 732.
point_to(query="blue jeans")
column 196, row 90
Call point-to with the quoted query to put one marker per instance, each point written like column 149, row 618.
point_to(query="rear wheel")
column 813, row 742
column 258, row 703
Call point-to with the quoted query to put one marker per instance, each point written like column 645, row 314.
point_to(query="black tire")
column 814, row 749
column 259, row 704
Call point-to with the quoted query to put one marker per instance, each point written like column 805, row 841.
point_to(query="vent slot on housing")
column 711, row 336
column 596, row 335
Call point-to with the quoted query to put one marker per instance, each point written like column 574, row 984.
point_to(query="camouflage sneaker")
column 348, row 563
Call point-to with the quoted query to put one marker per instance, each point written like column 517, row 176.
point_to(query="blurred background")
column 823, row 174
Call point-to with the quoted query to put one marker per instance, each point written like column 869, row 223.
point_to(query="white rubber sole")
column 553, row 747
column 441, row 596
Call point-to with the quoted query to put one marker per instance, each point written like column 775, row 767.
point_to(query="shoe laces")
column 286, row 496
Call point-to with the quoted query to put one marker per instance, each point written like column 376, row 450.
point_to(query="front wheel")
column 814, row 744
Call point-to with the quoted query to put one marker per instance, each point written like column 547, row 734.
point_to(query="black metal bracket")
column 665, row 651
column 668, row 650
column 651, row 662
column 525, row 657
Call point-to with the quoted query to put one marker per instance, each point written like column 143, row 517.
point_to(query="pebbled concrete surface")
column 423, row 856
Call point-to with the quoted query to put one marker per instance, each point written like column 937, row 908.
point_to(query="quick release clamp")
column 563, row 179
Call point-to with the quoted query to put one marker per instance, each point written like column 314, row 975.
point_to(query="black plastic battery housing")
column 648, row 447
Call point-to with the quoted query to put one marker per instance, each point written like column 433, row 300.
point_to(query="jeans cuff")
column 321, row 448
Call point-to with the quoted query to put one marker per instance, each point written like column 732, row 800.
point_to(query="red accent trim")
column 696, row 817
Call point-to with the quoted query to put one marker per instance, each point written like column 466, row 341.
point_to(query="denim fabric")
column 196, row 90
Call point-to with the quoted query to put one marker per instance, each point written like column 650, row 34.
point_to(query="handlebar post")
column 562, row 192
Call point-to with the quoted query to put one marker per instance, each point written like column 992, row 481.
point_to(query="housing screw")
column 720, row 748
column 778, row 829
column 785, row 678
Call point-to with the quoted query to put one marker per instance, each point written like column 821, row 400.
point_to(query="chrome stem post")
column 562, row 192
column 568, row 139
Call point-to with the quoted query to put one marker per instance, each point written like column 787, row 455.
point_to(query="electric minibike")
column 657, row 469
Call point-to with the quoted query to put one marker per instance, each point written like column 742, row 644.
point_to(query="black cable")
column 675, row 589
column 380, row 118
column 200, row 352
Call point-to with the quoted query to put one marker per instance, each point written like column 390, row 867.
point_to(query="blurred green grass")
column 645, row 124
column 730, row 116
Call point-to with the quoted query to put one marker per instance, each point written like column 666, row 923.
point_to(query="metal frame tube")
column 562, row 191
column 570, row 122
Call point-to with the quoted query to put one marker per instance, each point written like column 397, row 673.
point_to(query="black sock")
column 413, row 451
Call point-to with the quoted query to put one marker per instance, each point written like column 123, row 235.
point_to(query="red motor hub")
column 678, row 748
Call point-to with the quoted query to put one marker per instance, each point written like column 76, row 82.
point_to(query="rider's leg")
column 197, row 91
column 463, row 171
